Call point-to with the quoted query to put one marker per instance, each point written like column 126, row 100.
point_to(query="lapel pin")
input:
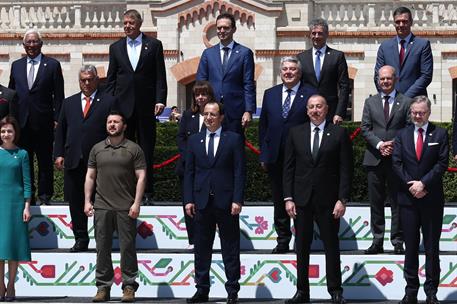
column 328, row 134
column 45, row 64
column 398, row 103
column 98, row 99
column 237, row 51
column 201, row 140
column 1, row 92
column 193, row 116
column 145, row 47
column 430, row 134
column 301, row 96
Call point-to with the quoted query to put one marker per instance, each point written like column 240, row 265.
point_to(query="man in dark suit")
column 82, row 124
column 409, row 55
column 214, row 182
column 384, row 114
column 8, row 102
column 420, row 159
column 38, row 82
column 283, row 107
column 136, row 76
column 317, row 182
column 326, row 70
column 229, row 67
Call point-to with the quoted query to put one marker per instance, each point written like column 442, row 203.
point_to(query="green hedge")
column 257, row 187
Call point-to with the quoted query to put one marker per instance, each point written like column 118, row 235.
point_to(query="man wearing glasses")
column 39, row 85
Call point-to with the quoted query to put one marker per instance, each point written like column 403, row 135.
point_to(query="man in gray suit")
column 384, row 114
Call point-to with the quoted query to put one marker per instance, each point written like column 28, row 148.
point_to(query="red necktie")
column 419, row 144
column 402, row 51
column 87, row 106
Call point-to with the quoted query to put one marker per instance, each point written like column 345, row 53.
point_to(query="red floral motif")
column 117, row 276
column 384, row 276
column 48, row 271
column 242, row 270
column 313, row 271
column 42, row 228
column 262, row 225
column 145, row 230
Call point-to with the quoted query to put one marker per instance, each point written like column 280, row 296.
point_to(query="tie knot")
column 132, row 43
column 32, row 61
column 316, row 130
column 386, row 98
column 420, row 130
column 318, row 52
column 402, row 42
column 226, row 49
column 87, row 98
column 212, row 134
column 289, row 91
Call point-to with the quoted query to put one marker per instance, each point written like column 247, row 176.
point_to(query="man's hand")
column 339, row 210
column 59, row 163
column 134, row 211
column 158, row 109
column 290, row 209
column 337, row 119
column 386, row 148
column 455, row 157
column 55, row 124
column 88, row 209
column 246, row 119
column 417, row 189
column 190, row 209
column 236, row 208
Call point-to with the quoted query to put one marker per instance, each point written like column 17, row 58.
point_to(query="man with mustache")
column 117, row 167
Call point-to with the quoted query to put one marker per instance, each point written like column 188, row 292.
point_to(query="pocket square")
column 3, row 101
column 433, row 144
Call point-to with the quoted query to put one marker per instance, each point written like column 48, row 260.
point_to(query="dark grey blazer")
column 374, row 127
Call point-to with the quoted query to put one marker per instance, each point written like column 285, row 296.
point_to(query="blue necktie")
column 317, row 65
column 286, row 105
column 133, row 54
column 211, row 147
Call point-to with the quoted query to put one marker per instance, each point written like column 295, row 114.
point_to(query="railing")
column 377, row 15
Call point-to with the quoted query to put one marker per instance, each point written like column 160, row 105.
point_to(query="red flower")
column 384, row 276
column 48, row 271
column 117, row 276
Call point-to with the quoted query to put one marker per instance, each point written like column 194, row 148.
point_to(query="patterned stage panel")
column 163, row 227
column 262, row 276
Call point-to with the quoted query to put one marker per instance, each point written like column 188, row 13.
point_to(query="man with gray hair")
column 82, row 124
column 420, row 159
column 38, row 82
column 283, row 107
column 326, row 70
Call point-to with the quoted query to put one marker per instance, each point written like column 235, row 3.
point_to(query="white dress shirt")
column 37, row 61
column 217, row 137
column 83, row 99
column 292, row 94
column 321, row 132
column 201, row 121
column 321, row 56
column 416, row 134
column 230, row 46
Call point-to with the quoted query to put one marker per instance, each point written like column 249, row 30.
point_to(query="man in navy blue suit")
column 409, row 55
column 214, row 181
column 82, row 124
column 420, row 159
column 229, row 67
column 38, row 82
column 283, row 107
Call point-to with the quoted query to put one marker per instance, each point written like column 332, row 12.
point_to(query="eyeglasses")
column 32, row 42
column 421, row 114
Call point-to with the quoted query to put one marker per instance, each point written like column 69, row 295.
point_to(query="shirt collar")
column 391, row 94
column 321, row 126
column 424, row 127
column 36, row 59
column 294, row 88
column 108, row 143
column 92, row 96
column 218, row 132
column 230, row 45
column 407, row 39
column 137, row 40
column 322, row 49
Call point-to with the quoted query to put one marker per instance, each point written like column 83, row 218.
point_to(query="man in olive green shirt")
column 117, row 167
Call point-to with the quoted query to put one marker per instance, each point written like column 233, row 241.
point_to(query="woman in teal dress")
column 15, row 197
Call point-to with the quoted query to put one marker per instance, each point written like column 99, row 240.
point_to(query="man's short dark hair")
column 114, row 112
column 318, row 22
column 132, row 13
column 227, row 16
column 403, row 10
column 220, row 105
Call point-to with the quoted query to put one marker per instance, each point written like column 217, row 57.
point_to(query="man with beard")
column 118, row 169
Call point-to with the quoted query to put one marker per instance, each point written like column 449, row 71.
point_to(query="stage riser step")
column 163, row 227
column 262, row 276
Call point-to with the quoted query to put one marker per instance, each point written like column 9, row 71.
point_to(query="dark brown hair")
column 204, row 87
column 10, row 120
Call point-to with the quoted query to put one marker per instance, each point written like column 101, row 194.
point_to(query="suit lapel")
column 307, row 138
column 396, row 54
column 299, row 99
column 93, row 105
column 379, row 109
column 144, row 51
column 309, row 62
column 326, row 134
column 428, row 137
column 220, row 147
column 410, row 141
column 327, row 62
column 408, row 49
column 234, row 55
column 395, row 107
column 124, row 55
column 41, row 70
